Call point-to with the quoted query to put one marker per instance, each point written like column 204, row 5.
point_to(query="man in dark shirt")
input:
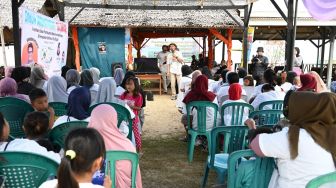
column 259, row 64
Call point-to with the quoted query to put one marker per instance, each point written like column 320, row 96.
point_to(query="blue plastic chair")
column 261, row 168
column 266, row 117
column 274, row 104
column 201, row 107
column 234, row 139
column 238, row 109
column 321, row 180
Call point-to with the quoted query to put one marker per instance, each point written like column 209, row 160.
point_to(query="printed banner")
column 44, row 41
column 250, row 34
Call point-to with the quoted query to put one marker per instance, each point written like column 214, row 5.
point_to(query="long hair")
column 88, row 146
column 136, row 85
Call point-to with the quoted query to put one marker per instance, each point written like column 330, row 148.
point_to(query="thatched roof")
column 154, row 18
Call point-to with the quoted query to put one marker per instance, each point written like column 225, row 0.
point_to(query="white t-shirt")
column 53, row 184
column 162, row 57
column 184, row 84
column 63, row 119
column 71, row 89
column 257, row 89
column 267, row 96
column 285, row 87
column 32, row 146
column 312, row 159
column 175, row 66
column 249, row 92
column 228, row 112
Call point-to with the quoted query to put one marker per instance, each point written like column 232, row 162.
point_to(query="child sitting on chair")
column 39, row 102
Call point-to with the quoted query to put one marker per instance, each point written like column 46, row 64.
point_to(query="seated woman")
column 320, row 85
column 84, row 155
column 235, row 93
column 306, row 149
column 95, row 74
column 8, row 88
column 86, row 80
column 118, row 76
column 248, row 86
column 56, row 89
column 38, row 78
column 72, row 78
column 104, row 119
column 184, row 85
column 21, row 76
column 289, row 82
column 308, row 83
column 24, row 144
column 78, row 107
column 268, row 94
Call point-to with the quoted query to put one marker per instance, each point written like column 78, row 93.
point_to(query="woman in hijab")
column 78, row 106
column 308, row 83
column 72, row 78
column 320, row 85
column 8, row 88
column 118, row 76
column 56, row 89
column 306, row 148
column 86, row 80
column 104, row 119
column 95, row 74
column 38, row 78
column 64, row 70
column 21, row 76
column 235, row 94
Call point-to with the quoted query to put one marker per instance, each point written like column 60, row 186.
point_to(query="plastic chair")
column 234, row 139
column 123, row 115
column 262, row 169
column 60, row 108
column 275, row 105
column 15, row 110
column 113, row 156
column 23, row 169
column 266, row 117
column 57, row 134
column 201, row 107
column 238, row 109
column 321, row 180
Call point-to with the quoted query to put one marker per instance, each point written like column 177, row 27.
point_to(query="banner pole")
column 3, row 43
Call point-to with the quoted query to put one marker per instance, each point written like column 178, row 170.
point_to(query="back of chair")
column 321, row 180
column 201, row 107
column 15, row 110
column 123, row 115
column 57, row 134
column 262, row 167
column 275, row 105
column 59, row 108
column 266, row 117
column 23, row 169
column 237, row 112
column 234, row 139
column 113, row 156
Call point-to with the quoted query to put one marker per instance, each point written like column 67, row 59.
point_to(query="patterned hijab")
column 316, row 114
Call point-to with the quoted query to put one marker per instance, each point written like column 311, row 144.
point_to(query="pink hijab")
column 104, row 120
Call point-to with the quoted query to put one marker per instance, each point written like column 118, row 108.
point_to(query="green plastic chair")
column 57, row 134
column 201, row 107
column 275, row 105
column 23, row 169
column 60, row 108
column 321, row 180
column 123, row 115
column 15, row 110
column 266, row 117
column 238, row 109
column 234, row 139
column 113, row 156
column 261, row 169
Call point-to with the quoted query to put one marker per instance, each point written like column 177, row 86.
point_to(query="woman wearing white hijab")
column 95, row 74
column 57, row 89
column 119, row 76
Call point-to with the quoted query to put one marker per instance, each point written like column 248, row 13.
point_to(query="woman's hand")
column 107, row 182
column 250, row 123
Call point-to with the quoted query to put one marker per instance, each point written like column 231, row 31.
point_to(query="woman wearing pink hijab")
column 104, row 119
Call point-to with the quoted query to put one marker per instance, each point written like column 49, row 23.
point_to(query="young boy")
column 36, row 126
column 39, row 102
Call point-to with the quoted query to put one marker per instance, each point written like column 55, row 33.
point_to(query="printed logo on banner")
column 44, row 41
column 102, row 47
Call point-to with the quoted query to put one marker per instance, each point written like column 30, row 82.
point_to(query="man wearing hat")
column 259, row 64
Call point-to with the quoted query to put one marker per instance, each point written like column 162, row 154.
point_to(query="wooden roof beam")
column 218, row 35
column 170, row 35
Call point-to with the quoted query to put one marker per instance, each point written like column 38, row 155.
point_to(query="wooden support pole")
column 210, row 51
column 76, row 45
column 16, row 32
column 229, row 50
column 218, row 35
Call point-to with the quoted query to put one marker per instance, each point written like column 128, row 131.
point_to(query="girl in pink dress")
column 133, row 98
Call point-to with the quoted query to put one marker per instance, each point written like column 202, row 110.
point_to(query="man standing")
column 175, row 61
column 259, row 64
column 162, row 59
